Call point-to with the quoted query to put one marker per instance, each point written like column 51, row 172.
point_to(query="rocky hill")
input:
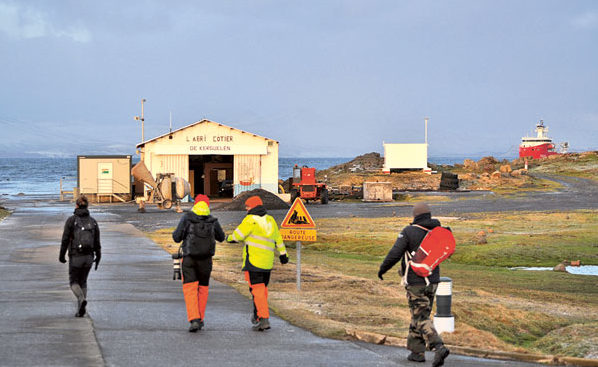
column 486, row 174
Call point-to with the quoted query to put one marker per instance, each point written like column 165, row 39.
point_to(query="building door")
column 212, row 175
column 105, row 173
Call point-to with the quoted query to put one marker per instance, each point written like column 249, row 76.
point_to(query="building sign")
column 211, row 143
column 298, row 225
column 223, row 145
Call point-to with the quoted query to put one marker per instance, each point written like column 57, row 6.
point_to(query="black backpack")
column 200, row 239
column 83, row 236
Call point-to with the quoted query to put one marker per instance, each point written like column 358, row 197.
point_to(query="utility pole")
column 426, row 119
column 143, row 100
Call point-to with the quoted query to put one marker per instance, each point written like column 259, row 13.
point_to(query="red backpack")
column 437, row 246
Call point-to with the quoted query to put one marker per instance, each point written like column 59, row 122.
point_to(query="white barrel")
column 166, row 188
column 182, row 187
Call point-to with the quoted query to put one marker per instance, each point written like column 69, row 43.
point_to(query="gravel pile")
column 270, row 200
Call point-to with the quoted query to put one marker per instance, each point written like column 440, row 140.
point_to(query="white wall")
column 405, row 156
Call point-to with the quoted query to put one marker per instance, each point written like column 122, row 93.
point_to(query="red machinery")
column 305, row 186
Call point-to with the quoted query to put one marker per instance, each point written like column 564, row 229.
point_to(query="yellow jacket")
column 261, row 236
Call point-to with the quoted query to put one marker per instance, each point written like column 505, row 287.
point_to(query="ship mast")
column 541, row 130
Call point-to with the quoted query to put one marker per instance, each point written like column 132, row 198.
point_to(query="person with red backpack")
column 199, row 232
column 81, row 239
column 420, row 290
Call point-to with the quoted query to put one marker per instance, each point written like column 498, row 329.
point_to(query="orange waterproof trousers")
column 196, row 277
column 258, row 286
column 196, row 299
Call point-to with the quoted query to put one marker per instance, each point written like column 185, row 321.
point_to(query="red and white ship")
column 538, row 146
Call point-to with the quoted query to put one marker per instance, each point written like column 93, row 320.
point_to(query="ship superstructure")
column 538, row 146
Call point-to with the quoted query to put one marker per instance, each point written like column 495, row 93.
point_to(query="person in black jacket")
column 420, row 293
column 81, row 239
column 199, row 232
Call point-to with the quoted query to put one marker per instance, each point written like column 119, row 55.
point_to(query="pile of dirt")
column 364, row 163
column 270, row 201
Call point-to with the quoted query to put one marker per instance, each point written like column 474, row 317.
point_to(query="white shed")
column 398, row 157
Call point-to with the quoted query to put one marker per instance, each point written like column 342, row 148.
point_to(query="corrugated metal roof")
column 201, row 122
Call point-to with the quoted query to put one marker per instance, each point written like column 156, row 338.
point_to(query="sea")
column 42, row 176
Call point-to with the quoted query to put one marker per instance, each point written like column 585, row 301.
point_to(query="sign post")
column 298, row 245
column 298, row 226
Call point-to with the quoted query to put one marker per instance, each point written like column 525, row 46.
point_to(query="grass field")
column 494, row 307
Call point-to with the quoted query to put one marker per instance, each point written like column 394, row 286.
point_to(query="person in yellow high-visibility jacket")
column 259, row 232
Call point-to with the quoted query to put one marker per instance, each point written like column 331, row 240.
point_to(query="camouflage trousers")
column 421, row 328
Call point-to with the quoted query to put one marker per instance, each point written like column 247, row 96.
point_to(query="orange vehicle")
column 305, row 186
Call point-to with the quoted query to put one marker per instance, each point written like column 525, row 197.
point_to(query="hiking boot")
column 440, row 356
column 196, row 325
column 416, row 357
column 81, row 309
column 262, row 324
column 254, row 319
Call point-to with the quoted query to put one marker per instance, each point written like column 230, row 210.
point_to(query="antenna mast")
column 142, row 119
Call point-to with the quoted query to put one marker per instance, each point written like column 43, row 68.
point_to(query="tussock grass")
column 494, row 307
column 583, row 165
column 3, row 213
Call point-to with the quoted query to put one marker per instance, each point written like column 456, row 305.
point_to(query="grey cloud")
column 23, row 22
column 587, row 20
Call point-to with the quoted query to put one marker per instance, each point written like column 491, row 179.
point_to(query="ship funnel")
column 141, row 173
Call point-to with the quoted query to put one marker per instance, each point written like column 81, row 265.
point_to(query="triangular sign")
column 298, row 217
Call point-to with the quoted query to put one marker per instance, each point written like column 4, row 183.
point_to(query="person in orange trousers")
column 260, row 235
column 199, row 232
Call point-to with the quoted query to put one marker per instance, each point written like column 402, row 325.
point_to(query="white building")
column 212, row 156
column 399, row 157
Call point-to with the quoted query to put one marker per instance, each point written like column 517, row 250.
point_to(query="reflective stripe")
column 259, row 245
column 281, row 249
column 238, row 235
column 262, row 238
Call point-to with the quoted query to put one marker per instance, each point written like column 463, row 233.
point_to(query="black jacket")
column 67, row 234
column 182, row 230
column 409, row 240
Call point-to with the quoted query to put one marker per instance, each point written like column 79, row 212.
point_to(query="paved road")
column 577, row 193
column 137, row 314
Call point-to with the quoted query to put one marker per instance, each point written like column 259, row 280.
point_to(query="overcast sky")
column 324, row 78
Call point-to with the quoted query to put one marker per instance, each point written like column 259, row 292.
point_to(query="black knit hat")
column 420, row 208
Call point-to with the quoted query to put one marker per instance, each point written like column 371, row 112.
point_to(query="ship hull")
column 537, row 151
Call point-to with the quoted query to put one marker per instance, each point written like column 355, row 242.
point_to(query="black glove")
column 97, row 261
column 62, row 259
column 380, row 273
column 284, row 259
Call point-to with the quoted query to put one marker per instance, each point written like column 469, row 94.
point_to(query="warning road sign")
column 298, row 226
column 305, row 235
column 298, row 217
